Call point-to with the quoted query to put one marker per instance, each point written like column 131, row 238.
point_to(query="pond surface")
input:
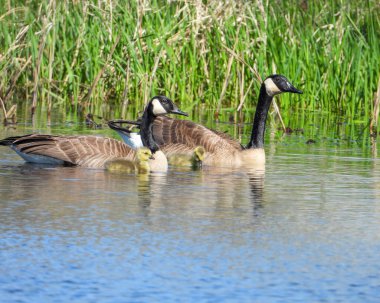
column 305, row 230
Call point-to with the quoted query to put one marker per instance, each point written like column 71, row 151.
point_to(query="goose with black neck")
column 175, row 136
column 93, row 151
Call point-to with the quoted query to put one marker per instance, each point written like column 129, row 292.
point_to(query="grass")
column 114, row 55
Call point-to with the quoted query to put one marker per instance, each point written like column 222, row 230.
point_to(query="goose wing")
column 179, row 136
column 87, row 151
column 183, row 136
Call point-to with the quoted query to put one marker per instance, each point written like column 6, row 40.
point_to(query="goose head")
column 161, row 105
column 277, row 84
column 157, row 106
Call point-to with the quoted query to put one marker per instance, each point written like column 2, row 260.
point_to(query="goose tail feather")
column 129, row 137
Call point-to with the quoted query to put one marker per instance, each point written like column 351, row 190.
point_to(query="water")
column 305, row 230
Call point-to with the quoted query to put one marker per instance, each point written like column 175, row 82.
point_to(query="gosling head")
column 277, row 84
column 199, row 153
column 143, row 154
column 198, row 157
column 161, row 105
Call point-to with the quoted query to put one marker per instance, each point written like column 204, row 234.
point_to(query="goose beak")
column 177, row 111
column 292, row 89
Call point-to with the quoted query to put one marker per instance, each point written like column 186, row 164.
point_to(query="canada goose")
column 179, row 136
column 194, row 161
column 140, row 165
column 92, row 151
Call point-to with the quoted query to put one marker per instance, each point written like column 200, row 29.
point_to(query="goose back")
column 182, row 136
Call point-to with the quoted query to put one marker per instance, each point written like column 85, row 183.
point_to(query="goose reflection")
column 53, row 197
column 211, row 191
column 256, row 179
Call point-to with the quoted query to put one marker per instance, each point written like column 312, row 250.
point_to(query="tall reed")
column 85, row 54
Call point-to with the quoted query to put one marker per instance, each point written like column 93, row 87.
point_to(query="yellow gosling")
column 140, row 165
column 194, row 160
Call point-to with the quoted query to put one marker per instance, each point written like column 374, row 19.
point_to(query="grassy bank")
column 85, row 54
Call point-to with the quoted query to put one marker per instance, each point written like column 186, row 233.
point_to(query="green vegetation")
column 75, row 54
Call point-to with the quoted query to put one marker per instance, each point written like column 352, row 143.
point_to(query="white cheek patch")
column 271, row 87
column 158, row 109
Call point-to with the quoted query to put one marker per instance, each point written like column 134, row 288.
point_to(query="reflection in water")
column 256, row 181
column 149, row 189
column 373, row 147
column 189, row 191
column 66, row 196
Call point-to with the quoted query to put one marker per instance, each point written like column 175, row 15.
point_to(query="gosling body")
column 139, row 166
column 195, row 160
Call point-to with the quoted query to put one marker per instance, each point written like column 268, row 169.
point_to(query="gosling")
column 139, row 166
column 194, row 161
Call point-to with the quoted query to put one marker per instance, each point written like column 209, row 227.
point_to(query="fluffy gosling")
column 139, row 166
column 194, row 161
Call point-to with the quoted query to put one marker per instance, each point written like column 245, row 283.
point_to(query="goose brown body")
column 85, row 151
column 175, row 136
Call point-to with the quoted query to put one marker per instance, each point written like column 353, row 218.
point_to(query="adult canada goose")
column 178, row 136
column 140, row 165
column 93, row 151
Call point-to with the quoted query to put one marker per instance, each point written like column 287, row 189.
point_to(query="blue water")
column 305, row 230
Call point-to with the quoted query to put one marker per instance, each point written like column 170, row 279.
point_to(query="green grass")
column 96, row 55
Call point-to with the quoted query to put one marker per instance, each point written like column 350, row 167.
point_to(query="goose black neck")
column 146, row 132
column 258, row 129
